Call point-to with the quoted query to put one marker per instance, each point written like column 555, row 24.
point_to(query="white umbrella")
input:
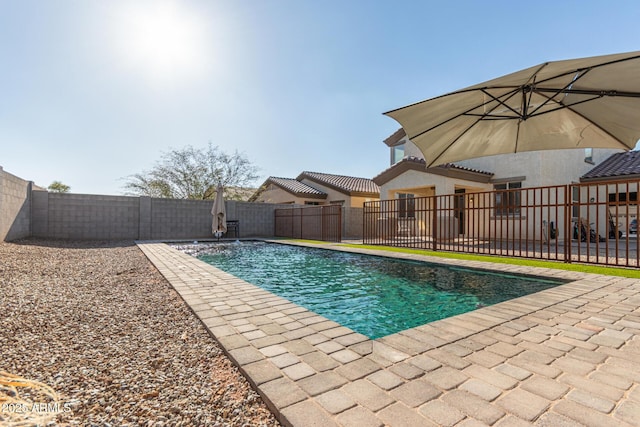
column 578, row 103
column 219, row 224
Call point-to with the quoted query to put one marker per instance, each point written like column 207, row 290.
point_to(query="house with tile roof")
column 617, row 167
column 408, row 177
column 614, row 174
column 287, row 191
column 315, row 188
column 407, row 169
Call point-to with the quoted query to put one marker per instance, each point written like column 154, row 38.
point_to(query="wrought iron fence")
column 587, row 222
column 310, row 222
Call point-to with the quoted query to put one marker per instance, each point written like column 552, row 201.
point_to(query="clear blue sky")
column 92, row 91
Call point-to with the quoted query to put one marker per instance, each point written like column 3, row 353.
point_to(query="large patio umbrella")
column 578, row 103
column 219, row 224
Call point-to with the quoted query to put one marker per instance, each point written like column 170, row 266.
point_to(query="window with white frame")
column 397, row 153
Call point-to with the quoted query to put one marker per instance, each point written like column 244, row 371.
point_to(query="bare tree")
column 194, row 173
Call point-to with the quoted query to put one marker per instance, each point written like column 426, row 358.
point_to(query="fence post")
column 364, row 222
column 339, row 227
column 568, row 197
column 323, row 228
column 434, row 226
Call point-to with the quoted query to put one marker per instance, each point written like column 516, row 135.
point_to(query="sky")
column 94, row 91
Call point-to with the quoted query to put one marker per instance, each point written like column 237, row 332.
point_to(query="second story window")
column 588, row 155
column 397, row 153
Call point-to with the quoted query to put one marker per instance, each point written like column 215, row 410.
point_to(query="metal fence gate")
column 310, row 222
column 592, row 223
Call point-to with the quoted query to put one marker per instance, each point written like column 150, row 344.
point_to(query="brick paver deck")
column 566, row 356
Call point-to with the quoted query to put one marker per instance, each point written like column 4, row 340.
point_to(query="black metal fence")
column 589, row 222
column 310, row 222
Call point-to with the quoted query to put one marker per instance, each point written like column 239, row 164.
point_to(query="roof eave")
column 397, row 170
column 311, row 196
column 406, row 166
column 467, row 175
column 395, row 138
column 337, row 188
column 364, row 194
column 610, row 178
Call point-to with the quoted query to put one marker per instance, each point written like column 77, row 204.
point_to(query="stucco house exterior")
column 316, row 188
column 408, row 174
column 505, row 182
column 619, row 175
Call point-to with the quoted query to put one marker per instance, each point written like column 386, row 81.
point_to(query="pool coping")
column 538, row 357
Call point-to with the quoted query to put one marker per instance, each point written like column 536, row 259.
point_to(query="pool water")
column 375, row 296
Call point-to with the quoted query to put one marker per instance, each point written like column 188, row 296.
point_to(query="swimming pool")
column 375, row 296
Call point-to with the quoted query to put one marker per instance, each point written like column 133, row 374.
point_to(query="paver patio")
column 567, row 356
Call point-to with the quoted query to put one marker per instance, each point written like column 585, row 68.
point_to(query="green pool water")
column 375, row 296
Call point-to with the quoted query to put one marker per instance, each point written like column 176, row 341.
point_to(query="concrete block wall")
column 40, row 213
column 27, row 210
column 15, row 207
column 256, row 219
column 180, row 219
column 352, row 222
column 86, row 216
column 96, row 217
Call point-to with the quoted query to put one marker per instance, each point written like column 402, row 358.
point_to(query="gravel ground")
column 98, row 324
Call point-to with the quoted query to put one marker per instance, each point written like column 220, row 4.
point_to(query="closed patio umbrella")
column 219, row 224
column 578, row 103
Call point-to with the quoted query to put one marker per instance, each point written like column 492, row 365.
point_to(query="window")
column 507, row 200
column 397, row 153
column 312, row 203
column 622, row 198
column 575, row 202
column 588, row 155
column 407, row 205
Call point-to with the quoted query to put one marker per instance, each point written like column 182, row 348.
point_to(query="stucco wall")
column 410, row 149
column 332, row 195
column 358, row 202
column 275, row 194
column 422, row 185
column 338, row 196
column 15, row 207
column 541, row 168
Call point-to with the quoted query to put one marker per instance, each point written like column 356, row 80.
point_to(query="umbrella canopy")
column 578, row 103
column 219, row 224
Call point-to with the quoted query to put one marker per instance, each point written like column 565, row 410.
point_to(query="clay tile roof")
column 350, row 185
column 419, row 164
column 464, row 168
column 619, row 166
column 296, row 187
